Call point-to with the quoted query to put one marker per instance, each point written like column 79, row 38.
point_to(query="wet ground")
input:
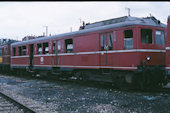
column 70, row 97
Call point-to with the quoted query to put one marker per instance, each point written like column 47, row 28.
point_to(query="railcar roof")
column 8, row 43
column 103, row 25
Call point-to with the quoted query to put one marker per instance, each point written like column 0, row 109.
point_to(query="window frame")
column 24, row 50
column 110, row 42
column 0, row 52
column 44, row 47
column 54, row 47
column 126, row 38
column 69, row 42
column 59, row 46
column 162, row 32
column 102, row 42
column 38, row 47
column 20, row 51
column 14, row 51
column 145, row 39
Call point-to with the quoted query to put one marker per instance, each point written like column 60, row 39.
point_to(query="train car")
column 126, row 51
column 5, row 55
column 168, row 49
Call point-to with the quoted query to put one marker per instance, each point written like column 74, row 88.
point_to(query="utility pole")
column 150, row 15
column 128, row 11
column 80, row 20
column 46, row 27
column 71, row 29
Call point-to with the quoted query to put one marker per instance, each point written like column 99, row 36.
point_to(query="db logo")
column 41, row 59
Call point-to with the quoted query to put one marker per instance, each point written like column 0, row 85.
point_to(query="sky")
column 20, row 19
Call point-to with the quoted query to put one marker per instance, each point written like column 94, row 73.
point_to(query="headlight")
column 148, row 58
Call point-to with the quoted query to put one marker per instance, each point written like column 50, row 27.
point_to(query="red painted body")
column 126, row 50
column 88, row 55
column 168, row 47
column 5, row 54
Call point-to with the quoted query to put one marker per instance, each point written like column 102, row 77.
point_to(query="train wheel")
column 141, row 81
column 141, row 85
column 129, row 78
column 129, row 81
column 120, row 82
column 82, row 76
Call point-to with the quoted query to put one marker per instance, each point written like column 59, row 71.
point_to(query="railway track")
column 11, row 105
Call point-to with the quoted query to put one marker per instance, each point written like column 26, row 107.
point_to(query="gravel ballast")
column 70, row 97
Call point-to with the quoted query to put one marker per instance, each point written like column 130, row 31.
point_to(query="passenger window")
column 128, row 39
column 45, row 48
column 159, row 37
column 20, row 51
column 24, row 50
column 146, row 36
column 53, row 47
column 14, row 51
column 69, row 45
column 0, row 52
column 110, row 39
column 39, row 49
column 6, row 51
column 102, row 42
column 59, row 46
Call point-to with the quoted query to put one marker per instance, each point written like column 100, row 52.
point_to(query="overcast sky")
column 19, row 19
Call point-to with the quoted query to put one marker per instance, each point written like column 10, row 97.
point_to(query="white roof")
column 98, row 26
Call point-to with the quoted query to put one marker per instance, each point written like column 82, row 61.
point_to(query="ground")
column 70, row 97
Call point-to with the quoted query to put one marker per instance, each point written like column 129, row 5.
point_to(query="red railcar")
column 126, row 50
column 168, row 48
column 5, row 55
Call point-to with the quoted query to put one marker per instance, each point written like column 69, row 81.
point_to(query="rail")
column 26, row 108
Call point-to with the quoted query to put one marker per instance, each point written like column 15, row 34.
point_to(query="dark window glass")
column 53, row 47
column 24, row 50
column 159, row 37
column 0, row 52
column 110, row 38
column 146, row 36
column 45, row 48
column 20, row 51
column 14, row 51
column 59, row 47
column 39, row 49
column 128, row 39
column 68, row 45
column 102, row 42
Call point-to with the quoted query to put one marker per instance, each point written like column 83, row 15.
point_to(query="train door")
column 58, row 50
column 55, row 53
column 106, row 44
column 103, row 54
column 31, row 55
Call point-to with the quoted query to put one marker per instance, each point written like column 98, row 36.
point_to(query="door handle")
column 106, row 47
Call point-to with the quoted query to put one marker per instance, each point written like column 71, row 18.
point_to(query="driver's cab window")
column 159, row 37
column 128, row 39
column 146, row 36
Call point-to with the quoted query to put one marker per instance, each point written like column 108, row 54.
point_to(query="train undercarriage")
column 145, row 77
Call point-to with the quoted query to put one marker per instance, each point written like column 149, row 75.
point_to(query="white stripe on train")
column 95, row 52
column 71, row 66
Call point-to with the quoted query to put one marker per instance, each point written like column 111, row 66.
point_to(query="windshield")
column 159, row 37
